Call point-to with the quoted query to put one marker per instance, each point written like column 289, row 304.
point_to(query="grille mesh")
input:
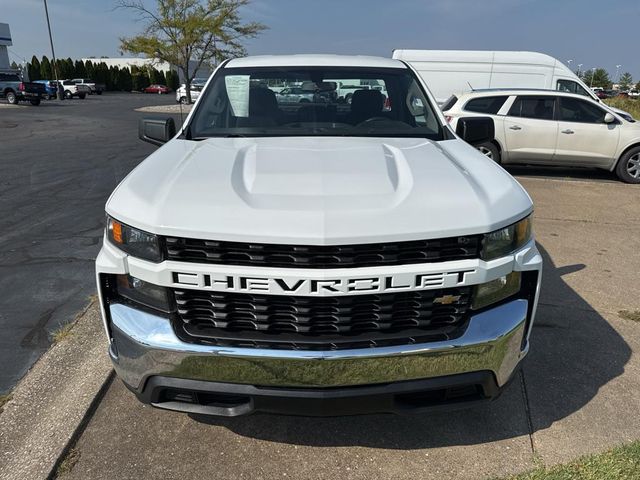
column 322, row 256
column 308, row 323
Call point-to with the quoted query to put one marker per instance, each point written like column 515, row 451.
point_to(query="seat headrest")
column 367, row 102
column 262, row 102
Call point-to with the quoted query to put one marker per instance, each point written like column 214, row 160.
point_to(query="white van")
column 454, row 71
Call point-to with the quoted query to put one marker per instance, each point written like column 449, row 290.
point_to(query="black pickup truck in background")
column 15, row 90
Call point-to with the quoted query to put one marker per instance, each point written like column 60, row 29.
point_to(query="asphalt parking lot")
column 579, row 391
column 58, row 164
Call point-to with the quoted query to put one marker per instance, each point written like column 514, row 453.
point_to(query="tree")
column 34, row 69
column 626, row 80
column 88, row 66
column 45, row 68
column 597, row 78
column 190, row 33
column 79, row 69
column 173, row 81
column 139, row 78
column 14, row 66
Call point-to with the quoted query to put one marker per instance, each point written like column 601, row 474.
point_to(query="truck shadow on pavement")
column 574, row 352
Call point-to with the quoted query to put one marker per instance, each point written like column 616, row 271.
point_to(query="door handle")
column 515, row 127
column 568, row 131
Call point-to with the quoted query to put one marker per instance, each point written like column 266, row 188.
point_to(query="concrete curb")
column 51, row 405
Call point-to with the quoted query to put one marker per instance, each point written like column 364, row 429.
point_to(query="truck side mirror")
column 157, row 131
column 609, row 118
column 475, row 130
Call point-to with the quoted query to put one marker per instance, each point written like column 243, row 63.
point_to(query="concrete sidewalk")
column 579, row 391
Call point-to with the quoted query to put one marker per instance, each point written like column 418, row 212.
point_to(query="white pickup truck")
column 94, row 87
column 72, row 89
column 320, row 259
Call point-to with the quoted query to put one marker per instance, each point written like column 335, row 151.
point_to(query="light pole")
column 579, row 66
column 593, row 71
column 569, row 63
column 617, row 73
column 53, row 53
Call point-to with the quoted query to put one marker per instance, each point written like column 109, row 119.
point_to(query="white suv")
column 552, row 128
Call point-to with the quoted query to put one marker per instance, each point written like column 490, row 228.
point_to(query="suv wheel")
column 183, row 100
column 68, row 95
column 628, row 168
column 11, row 97
column 490, row 150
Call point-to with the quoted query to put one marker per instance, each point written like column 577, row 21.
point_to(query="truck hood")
column 318, row 190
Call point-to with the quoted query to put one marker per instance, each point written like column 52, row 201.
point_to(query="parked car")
column 295, row 95
column 72, row 89
column 450, row 71
column 51, row 87
column 14, row 90
column 634, row 93
column 602, row 94
column 160, row 89
column 325, row 259
column 181, row 93
column 548, row 127
column 96, row 88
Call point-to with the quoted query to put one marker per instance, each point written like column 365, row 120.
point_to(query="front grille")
column 321, row 323
column 322, row 256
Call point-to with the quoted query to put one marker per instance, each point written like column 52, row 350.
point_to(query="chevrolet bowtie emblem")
column 446, row 299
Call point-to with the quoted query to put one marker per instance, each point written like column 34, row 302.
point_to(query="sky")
column 591, row 33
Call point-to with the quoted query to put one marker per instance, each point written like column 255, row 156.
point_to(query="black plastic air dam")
column 410, row 397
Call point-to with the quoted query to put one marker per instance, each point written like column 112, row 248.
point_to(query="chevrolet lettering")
column 344, row 255
column 320, row 286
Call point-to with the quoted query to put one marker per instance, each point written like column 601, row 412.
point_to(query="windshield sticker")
column 238, row 93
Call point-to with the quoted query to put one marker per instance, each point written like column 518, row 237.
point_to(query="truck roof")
column 315, row 60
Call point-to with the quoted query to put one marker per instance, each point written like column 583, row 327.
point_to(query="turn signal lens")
column 116, row 231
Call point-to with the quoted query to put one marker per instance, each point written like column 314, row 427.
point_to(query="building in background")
column 5, row 42
column 128, row 62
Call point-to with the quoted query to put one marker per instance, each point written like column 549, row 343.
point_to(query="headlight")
column 506, row 240
column 133, row 241
column 143, row 292
column 496, row 290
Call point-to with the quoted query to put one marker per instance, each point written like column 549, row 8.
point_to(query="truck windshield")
column 314, row 101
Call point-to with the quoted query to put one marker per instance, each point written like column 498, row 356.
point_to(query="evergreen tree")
column 90, row 70
column 46, row 72
column 79, row 69
column 124, row 80
column 173, row 81
column 34, row 69
column 626, row 80
column 154, row 75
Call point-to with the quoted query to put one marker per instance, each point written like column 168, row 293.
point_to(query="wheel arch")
column 635, row 144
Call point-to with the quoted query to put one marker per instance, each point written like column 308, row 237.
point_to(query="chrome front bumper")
column 144, row 345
